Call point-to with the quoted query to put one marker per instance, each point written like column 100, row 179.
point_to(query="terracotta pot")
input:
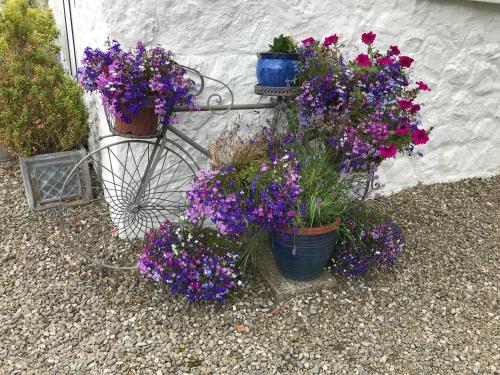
column 315, row 230
column 143, row 124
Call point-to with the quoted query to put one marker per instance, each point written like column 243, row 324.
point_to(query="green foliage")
column 283, row 44
column 324, row 194
column 41, row 109
column 365, row 214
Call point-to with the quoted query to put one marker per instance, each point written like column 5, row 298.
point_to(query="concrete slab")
column 284, row 288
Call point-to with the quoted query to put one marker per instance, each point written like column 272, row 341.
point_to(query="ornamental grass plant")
column 231, row 148
column 324, row 191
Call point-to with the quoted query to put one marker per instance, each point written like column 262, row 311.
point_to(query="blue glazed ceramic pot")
column 277, row 69
column 313, row 249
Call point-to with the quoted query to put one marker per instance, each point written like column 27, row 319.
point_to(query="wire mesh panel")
column 45, row 175
column 49, row 180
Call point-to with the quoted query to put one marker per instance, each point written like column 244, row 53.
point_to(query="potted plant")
column 42, row 113
column 140, row 86
column 303, row 249
column 278, row 66
column 274, row 184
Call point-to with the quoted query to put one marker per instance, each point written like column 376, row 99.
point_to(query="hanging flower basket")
column 139, row 87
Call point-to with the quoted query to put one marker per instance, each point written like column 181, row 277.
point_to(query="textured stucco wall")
column 456, row 45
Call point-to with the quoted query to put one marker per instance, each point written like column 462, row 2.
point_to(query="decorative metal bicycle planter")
column 139, row 182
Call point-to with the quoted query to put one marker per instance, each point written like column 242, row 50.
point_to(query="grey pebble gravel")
column 435, row 312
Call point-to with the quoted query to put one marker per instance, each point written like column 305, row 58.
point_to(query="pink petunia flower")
column 388, row 151
column 405, row 61
column 329, row 40
column 423, row 86
column 403, row 129
column 395, row 50
column 308, row 41
column 415, row 108
column 363, row 60
column 405, row 103
column 420, row 137
column 368, row 38
column 264, row 167
column 385, row 60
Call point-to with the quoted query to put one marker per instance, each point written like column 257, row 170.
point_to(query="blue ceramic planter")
column 277, row 69
column 312, row 252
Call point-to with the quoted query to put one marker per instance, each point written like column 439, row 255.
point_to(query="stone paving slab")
column 284, row 288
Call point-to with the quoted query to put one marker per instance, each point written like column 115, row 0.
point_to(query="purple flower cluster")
column 208, row 197
column 365, row 106
column 265, row 196
column 361, row 247
column 129, row 81
column 193, row 262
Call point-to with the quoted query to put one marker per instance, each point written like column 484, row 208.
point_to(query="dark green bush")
column 41, row 109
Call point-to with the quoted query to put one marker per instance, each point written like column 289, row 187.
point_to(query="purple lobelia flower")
column 129, row 81
column 193, row 262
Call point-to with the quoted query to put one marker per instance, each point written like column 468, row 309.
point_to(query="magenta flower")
column 394, row 50
column 384, row 110
column 388, row 151
column 330, row 40
column 308, row 41
column 363, row 60
column 385, row 61
column 403, row 129
column 368, row 38
column 405, row 61
column 264, row 167
column 405, row 103
column 423, row 86
column 420, row 137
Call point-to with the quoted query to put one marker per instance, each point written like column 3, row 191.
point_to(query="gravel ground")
column 436, row 312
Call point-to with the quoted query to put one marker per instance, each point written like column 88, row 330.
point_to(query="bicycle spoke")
column 109, row 231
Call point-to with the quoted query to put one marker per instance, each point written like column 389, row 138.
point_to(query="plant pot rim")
column 314, row 231
column 278, row 55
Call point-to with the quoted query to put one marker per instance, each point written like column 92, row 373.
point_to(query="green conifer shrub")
column 41, row 108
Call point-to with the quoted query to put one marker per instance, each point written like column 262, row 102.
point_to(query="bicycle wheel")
column 109, row 231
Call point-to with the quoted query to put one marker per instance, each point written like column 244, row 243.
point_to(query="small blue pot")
column 277, row 69
column 312, row 251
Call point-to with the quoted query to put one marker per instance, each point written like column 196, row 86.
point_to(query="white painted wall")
column 456, row 45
